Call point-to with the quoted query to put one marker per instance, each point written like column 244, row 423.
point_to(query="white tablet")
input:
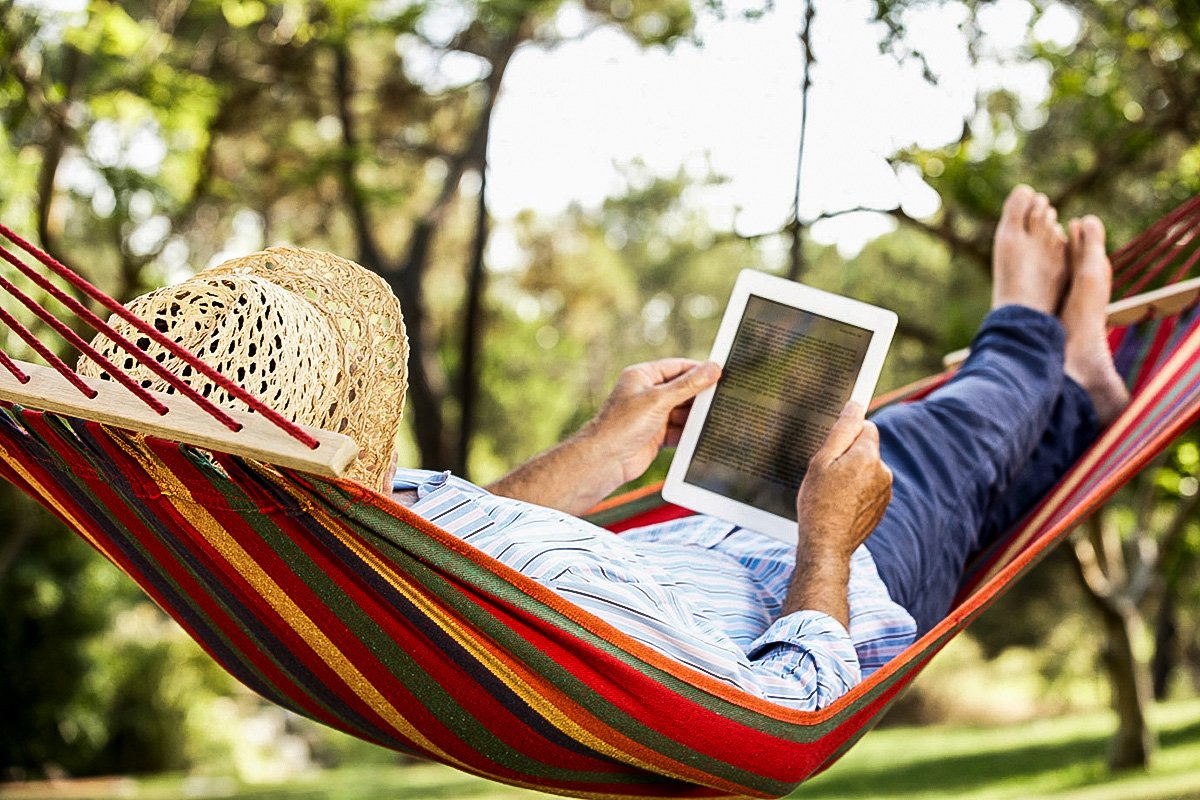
column 792, row 356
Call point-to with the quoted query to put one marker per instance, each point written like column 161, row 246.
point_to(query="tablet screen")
column 787, row 377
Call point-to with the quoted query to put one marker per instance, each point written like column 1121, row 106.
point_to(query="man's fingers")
column 868, row 438
column 843, row 433
column 691, row 383
column 664, row 370
column 865, row 450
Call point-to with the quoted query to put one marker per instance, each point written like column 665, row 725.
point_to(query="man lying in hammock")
column 801, row 627
column 798, row 626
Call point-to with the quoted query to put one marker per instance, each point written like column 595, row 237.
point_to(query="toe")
column 1092, row 236
column 1035, row 216
column 1016, row 205
column 1088, row 255
column 1075, row 237
column 1052, row 225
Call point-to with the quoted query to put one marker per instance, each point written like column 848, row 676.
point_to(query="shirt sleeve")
column 804, row 660
column 682, row 602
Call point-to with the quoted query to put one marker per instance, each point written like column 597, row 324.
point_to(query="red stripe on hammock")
column 663, row 513
column 1150, row 361
column 490, row 711
column 156, row 551
column 252, row 601
column 193, row 539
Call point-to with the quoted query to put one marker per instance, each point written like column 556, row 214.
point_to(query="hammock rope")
column 332, row 601
column 85, row 286
column 1164, row 243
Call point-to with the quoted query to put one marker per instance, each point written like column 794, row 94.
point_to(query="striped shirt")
column 702, row 591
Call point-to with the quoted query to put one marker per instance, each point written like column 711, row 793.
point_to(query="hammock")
column 334, row 602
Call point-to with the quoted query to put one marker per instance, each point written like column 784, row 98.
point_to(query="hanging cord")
column 73, row 339
column 43, row 351
column 1144, row 258
column 794, row 225
column 11, row 366
column 73, row 278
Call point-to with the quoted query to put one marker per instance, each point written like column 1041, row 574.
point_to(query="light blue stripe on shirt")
column 699, row 590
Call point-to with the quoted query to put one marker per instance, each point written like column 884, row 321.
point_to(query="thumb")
column 844, row 432
column 691, row 383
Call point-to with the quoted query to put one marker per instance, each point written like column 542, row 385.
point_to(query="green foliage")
column 93, row 676
column 140, row 138
column 645, row 276
column 1115, row 136
column 51, row 604
column 137, row 138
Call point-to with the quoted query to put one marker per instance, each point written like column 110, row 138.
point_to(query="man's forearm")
column 571, row 477
column 644, row 413
column 821, row 583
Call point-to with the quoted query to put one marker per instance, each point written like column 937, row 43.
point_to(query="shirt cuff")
column 809, row 643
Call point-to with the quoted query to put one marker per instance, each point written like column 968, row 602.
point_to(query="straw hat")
column 316, row 337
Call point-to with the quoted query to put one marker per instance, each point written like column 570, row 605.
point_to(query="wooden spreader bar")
column 258, row 439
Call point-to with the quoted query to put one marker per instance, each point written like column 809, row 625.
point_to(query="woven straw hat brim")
column 317, row 337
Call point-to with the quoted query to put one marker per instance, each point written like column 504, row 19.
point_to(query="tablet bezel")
column 880, row 321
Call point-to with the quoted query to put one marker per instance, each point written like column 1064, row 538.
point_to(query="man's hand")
column 847, row 487
column 646, row 411
column 843, row 497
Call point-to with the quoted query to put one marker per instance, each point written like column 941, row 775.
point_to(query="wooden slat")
column 1140, row 307
column 114, row 405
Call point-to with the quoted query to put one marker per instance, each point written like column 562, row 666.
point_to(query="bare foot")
column 1088, row 358
column 1029, row 254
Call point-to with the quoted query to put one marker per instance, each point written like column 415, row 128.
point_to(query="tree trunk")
column 795, row 228
column 1166, row 646
column 1133, row 742
column 473, row 324
column 1114, row 590
column 439, row 407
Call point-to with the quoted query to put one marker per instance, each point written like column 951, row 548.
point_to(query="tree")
column 144, row 136
column 1115, row 137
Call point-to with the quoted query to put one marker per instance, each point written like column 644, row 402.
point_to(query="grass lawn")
column 1060, row 759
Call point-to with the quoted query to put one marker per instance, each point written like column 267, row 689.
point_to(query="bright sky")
column 569, row 116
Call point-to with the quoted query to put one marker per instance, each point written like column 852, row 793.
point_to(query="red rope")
column 1186, row 267
column 44, row 352
column 1155, row 233
column 1135, row 247
column 112, row 369
column 9, row 365
column 1146, row 253
column 73, row 338
column 252, row 402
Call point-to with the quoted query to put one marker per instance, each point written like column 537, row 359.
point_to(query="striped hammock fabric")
column 328, row 599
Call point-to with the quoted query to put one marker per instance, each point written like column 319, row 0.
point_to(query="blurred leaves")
column 142, row 140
